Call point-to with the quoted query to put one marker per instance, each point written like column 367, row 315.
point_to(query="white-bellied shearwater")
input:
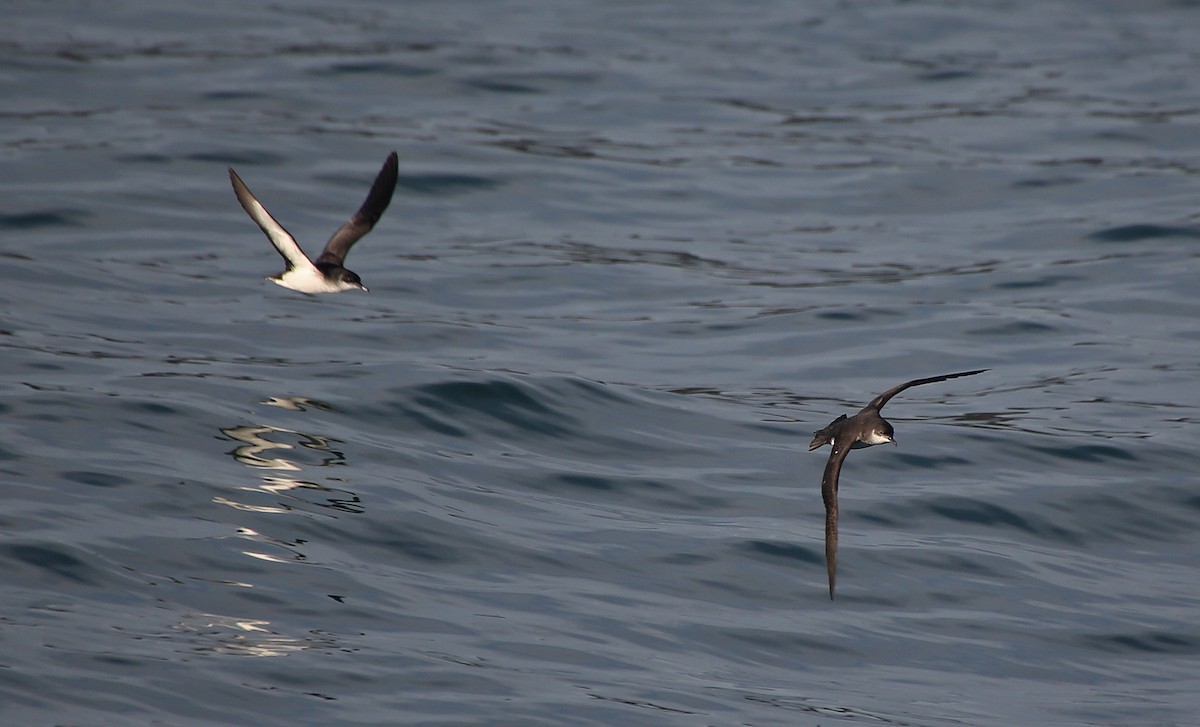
column 325, row 274
column 863, row 429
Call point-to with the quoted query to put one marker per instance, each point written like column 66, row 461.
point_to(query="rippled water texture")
column 553, row 468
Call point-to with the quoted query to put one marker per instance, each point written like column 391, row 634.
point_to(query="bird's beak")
column 363, row 288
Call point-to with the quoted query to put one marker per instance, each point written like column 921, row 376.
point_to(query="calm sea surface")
column 553, row 469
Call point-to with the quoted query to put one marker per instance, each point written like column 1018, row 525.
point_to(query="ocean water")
column 553, row 468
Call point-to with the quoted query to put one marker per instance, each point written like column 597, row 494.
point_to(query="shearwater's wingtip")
column 391, row 165
column 831, row 566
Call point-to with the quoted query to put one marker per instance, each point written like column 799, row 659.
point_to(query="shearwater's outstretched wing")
column 279, row 237
column 829, row 493
column 878, row 402
column 365, row 218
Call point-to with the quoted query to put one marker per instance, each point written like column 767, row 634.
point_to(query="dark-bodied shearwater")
column 864, row 429
column 325, row 274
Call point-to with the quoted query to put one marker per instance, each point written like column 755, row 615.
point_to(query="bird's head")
column 882, row 433
column 351, row 280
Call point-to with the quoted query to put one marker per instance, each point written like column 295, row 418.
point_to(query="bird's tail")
column 825, row 436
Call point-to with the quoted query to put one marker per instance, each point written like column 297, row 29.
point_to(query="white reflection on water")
column 296, row 493
column 239, row 636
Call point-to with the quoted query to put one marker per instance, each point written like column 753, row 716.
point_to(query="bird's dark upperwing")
column 365, row 218
column 829, row 492
column 878, row 402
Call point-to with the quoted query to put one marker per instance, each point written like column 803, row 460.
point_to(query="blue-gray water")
column 553, row 468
